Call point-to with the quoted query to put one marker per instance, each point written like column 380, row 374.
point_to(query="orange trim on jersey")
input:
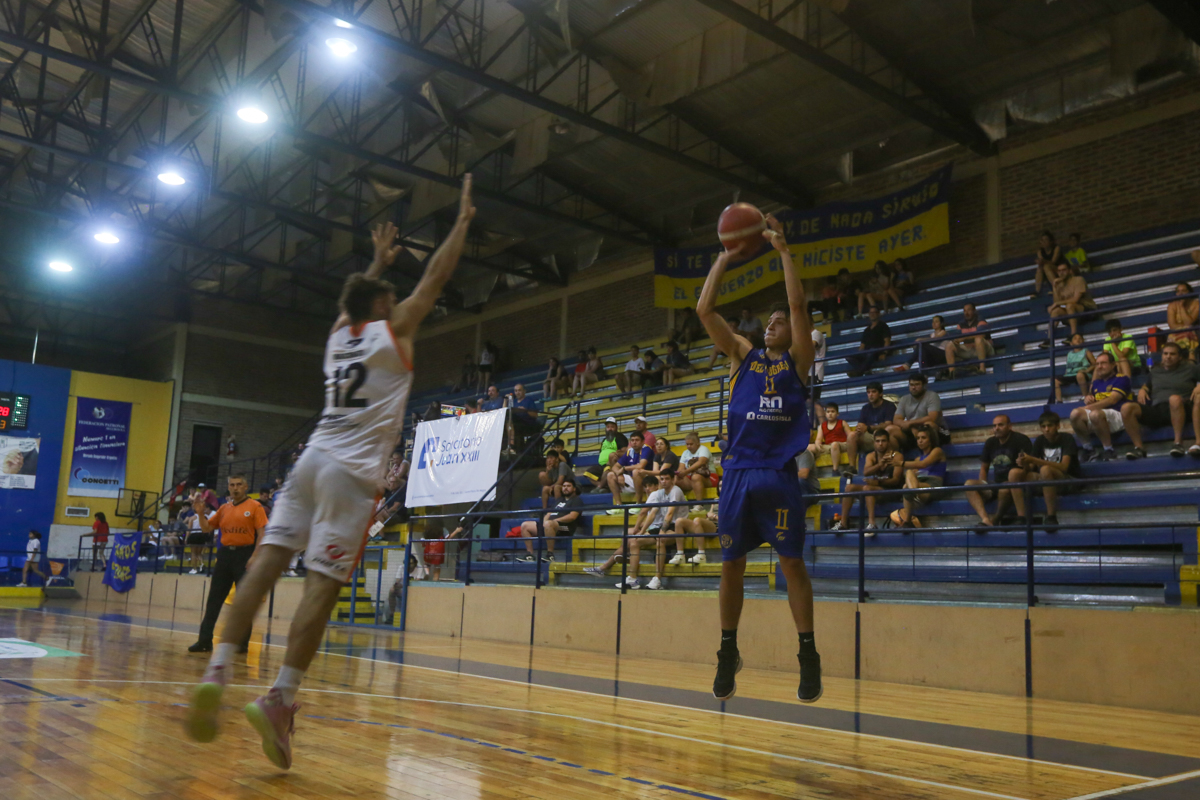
column 366, row 532
column 399, row 350
column 356, row 330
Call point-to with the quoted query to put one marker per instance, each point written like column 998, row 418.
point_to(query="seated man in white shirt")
column 694, row 474
column 631, row 378
column 650, row 521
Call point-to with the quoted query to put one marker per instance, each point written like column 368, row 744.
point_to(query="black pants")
column 227, row 571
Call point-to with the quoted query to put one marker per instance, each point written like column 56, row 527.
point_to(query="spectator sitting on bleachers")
column 523, row 419
column 493, row 401
column 972, row 344
column 1076, row 256
column 694, row 474
column 880, row 471
column 1071, row 297
column 592, row 372
column 751, row 327
column 556, row 380
column 847, row 292
column 828, row 304
column 552, row 477
column 560, row 447
column 1048, row 257
column 831, row 438
column 1101, row 412
column 927, row 471
column 563, row 518
column 687, row 329
column 1080, row 364
column 876, row 335
column 920, row 407
column 1123, row 349
column 678, row 365
column 642, row 426
column 620, row 475
column 1182, row 314
column 1055, row 457
column 806, row 470
column 1000, row 453
column 929, row 352
column 902, row 278
column 631, row 377
column 699, row 527
column 467, row 377
column 654, row 373
column 876, row 415
column 1169, row 393
column 664, row 459
column 613, row 444
column 650, row 521
column 880, row 292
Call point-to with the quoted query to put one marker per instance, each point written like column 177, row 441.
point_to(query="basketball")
column 741, row 222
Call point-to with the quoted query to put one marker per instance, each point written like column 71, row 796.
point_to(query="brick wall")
column 258, row 373
column 257, row 432
column 438, row 359
column 968, row 231
column 1146, row 177
column 526, row 337
column 154, row 361
column 617, row 314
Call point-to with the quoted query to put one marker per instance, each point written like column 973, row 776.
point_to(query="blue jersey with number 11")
column 768, row 414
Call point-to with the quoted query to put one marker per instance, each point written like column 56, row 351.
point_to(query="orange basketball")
column 741, row 222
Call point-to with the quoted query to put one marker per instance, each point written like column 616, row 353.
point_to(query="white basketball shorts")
column 325, row 512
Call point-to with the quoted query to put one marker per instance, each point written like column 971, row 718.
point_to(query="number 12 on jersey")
column 352, row 376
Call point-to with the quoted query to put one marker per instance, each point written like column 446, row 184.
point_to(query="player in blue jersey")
column 761, row 497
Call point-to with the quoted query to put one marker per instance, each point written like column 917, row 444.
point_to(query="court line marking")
column 527, row 684
column 1167, row 781
column 767, row 753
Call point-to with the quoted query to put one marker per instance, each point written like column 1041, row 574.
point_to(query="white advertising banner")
column 457, row 459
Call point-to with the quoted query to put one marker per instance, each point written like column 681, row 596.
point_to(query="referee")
column 240, row 522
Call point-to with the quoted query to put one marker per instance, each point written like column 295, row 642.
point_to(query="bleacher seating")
column 1141, row 536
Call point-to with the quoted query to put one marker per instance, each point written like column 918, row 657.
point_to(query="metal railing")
column 1182, row 534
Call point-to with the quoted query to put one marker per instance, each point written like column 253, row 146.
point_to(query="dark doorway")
column 206, row 453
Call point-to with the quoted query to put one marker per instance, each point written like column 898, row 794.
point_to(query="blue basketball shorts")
column 761, row 506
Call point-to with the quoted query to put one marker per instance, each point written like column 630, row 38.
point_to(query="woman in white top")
column 33, row 554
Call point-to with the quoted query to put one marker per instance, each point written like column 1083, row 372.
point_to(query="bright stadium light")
column 171, row 178
column 60, row 266
column 107, row 237
column 342, row 48
column 341, row 23
column 252, row 114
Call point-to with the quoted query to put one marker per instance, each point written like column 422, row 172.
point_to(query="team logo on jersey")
column 726, row 541
column 334, row 552
column 354, row 342
column 770, row 403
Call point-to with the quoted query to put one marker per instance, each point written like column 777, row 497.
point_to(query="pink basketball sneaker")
column 274, row 722
column 201, row 722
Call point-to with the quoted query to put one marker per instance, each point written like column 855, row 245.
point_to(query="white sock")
column 223, row 653
column 288, row 683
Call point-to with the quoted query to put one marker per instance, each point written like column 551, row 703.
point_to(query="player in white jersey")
column 326, row 505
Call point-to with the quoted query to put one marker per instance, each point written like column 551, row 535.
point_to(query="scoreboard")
column 14, row 411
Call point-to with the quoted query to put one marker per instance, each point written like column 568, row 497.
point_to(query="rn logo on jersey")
column 770, row 403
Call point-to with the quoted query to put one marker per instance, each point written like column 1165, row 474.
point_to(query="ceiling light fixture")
column 341, row 23
column 171, row 178
column 60, row 266
column 105, row 237
column 252, row 114
column 342, row 48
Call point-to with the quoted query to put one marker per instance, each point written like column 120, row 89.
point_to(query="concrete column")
column 992, row 221
column 178, row 361
column 562, row 330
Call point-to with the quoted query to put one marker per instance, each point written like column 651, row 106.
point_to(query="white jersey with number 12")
column 367, row 380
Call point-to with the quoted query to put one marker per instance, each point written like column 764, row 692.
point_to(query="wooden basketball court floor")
column 418, row 716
